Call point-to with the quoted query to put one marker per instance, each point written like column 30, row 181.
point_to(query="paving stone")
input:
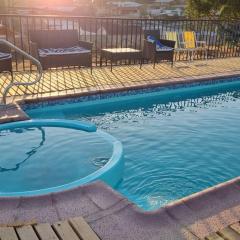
column 103, row 195
column 130, row 224
column 73, row 203
column 39, row 209
column 8, row 207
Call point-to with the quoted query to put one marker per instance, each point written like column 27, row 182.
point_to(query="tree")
column 143, row 11
column 226, row 9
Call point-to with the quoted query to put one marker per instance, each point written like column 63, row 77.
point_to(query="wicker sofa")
column 60, row 48
column 5, row 59
column 149, row 49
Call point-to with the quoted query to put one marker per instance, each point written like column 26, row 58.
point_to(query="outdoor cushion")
column 151, row 39
column 160, row 47
column 4, row 56
column 44, row 52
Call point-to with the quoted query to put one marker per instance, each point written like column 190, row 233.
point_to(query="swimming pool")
column 176, row 142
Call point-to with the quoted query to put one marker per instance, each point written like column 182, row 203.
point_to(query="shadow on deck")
column 80, row 81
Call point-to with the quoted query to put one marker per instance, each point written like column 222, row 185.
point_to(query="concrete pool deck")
column 12, row 113
column 111, row 216
column 75, row 82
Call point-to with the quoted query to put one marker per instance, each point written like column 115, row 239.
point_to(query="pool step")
column 73, row 229
column 12, row 113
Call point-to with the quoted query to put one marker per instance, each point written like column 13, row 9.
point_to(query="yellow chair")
column 173, row 36
column 192, row 45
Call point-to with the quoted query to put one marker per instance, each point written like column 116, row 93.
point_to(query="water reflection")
column 29, row 153
column 204, row 101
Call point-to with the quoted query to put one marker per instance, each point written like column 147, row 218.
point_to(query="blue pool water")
column 175, row 142
column 36, row 158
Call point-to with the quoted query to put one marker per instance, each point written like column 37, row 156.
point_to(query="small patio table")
column 117, row 54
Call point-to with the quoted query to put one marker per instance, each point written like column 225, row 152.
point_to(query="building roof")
column 164, row 1
column 126, row 4
column 41, row 3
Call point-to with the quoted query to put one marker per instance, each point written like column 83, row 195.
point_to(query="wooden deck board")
column 83, row 229
column 214, row 236
column 74, row 229
column 26, row 233
column 8, row 233
column 236, row 227
column 228, row 233
column 78, row 229
column 45, row 232
column 65, row 231
column 231, row 232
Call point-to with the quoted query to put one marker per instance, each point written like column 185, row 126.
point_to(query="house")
column 131, row 9
column 171, row 8
column 163, row 3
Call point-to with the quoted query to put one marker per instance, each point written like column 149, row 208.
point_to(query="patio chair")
column 150, row 50
column 174, row 36
column 191, row 44
column 5, row 60
column 60, row 48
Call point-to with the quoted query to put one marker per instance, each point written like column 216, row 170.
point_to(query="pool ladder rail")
column 13, row 83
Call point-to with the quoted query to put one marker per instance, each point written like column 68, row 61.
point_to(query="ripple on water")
column 174, row 145
column 171, row 153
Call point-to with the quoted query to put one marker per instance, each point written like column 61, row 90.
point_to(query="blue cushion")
column 151, row 39
column 5, row 56
column 160, row 47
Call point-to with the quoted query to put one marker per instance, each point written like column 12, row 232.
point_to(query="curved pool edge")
column 115, row 163
column 74, row 124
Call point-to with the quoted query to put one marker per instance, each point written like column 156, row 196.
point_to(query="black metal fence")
column 222, row 37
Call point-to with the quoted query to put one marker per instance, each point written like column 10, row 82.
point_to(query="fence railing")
column 222, row 37
column 14, row 83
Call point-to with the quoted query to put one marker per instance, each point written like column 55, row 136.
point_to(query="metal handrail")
column 34, row 60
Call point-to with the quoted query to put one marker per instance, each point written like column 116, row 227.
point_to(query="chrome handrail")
column 34, row 60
